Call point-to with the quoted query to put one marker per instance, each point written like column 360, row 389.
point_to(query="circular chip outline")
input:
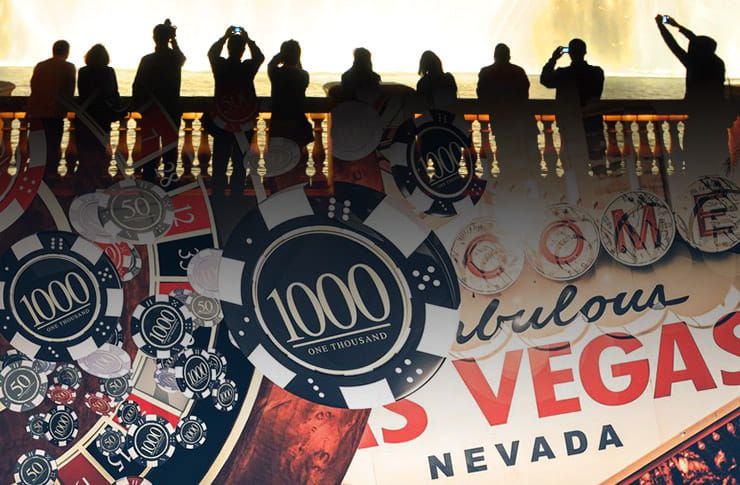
column 70, row 430
column 218, row 403
column 134, row 451
column 100, row 441
column 124, row 417
column 33, row 400
column 38, row 455
column 186, row 387
column 190, row 444
column 144, row 342
column 108, row 362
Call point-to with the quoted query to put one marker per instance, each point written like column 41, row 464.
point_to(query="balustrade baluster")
column 629, row 154
column 188, row 150
column 644, row 153
column 659, row 151
column 613, row 154
column 470, row 153
column 675, row 149
column 21, row 150
column 486, row 153
column 70, row 152
column 121, row 152
column 549, row 152
column 136, row 152
column 204, row 155
column 6, row 150
column 318, row 152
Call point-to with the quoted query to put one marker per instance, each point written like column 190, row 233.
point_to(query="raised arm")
column 255, row 52
column 548, row 76
column 215, row 51
column 670, row 40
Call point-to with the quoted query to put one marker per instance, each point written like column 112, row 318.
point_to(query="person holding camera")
column 156, row 95
column 583, row 82
column 234, row 88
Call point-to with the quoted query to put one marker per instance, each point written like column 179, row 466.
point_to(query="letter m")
column 622, row 224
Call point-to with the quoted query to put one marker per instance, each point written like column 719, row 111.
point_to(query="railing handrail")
column 199, row 104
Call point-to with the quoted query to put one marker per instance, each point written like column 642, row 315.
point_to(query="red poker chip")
column 101, row 404
column 234, row 111
column 61, row 394
column 120, row 254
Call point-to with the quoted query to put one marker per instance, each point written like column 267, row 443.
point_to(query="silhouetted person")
column 705, row 136
column 436, row 87
column 100, row 105
column 157, row 83
column 234, row 79
column 51, row 82
column 289, row 82
column 588, row 82
column 503, row 88
column 360, row 82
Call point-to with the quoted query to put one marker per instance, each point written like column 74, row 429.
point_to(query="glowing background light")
column 621, row 35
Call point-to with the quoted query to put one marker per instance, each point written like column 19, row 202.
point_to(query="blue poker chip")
column 128, row 413
column 431, row 162
column 60, row 296
column 191, row 432
column 36, row 467
column 151, row 441
column 361, row 325
column 161, row 326
column 62, row 425
column 110, row 441
column 68, row 375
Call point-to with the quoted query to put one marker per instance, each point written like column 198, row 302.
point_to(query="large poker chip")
column 99, row 403
column 110, row 441
column 128, row 413
column 69, row 375
column 60, row 296
column 117, row 388
column 22, row 387
column 708, row 214
column 107, row 362
column 83, row 214
column 136, row 211
column 37, row 426
column 281, row 156
column 637, row 228
column 486, row 262
column 427, row 155
column 62, row 426
column 363, row 324
column 234, row 111
column 194, row 374
column 191, row 432
column 205, row 310
column 203, row 271
column 218, row 363
column 151, row 442
column 161, row 326
column 565, row 245
column 61, row 394
column 36, row 467
column 356, row 130
column 225, row 395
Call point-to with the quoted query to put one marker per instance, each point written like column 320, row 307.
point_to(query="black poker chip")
column 151, row 441
column 62, row 425
column 68, row 375
column 117, row 388
column 161, row 326
column 225, row 395
column 60, row 296
column 35, row 467
column 12, row 355
column 361, row 325
column 128, row 413
column 37, row 426
column 110, row 441
column 194, row 374
column 426, row 155
column 191, row 432
column 22, row 387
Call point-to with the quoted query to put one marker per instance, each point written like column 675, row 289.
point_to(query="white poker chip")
column 565, row 245
column 22, row 387
column 166, row 380
column 161, row 326
column 203, row 271
column 356, row 130
column 485, row 261
column 136, row 211
column 83, row 214
column 224, row 395
column 205, row 310
column 637, row 228
column 194, row 374
column 151, row 441
column 708, row 214
column 107, row 362
column 281, row 156
column 36, row 467
column 191, row 432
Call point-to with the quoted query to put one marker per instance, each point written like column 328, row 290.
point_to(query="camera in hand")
column 564, row 50
column 665, row 18
column 238, row 30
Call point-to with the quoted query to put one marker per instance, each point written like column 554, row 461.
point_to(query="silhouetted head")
column 363, row 59
column 162, row 34
column 290, row 51
column 577, row 49
column 235, row 45
column 60, row 49
column 430, row 63
column 501, row 53
column 701, row 45
column 97, row 56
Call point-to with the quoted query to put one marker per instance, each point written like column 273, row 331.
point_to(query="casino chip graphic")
column 60, row 296
column 362, row 324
